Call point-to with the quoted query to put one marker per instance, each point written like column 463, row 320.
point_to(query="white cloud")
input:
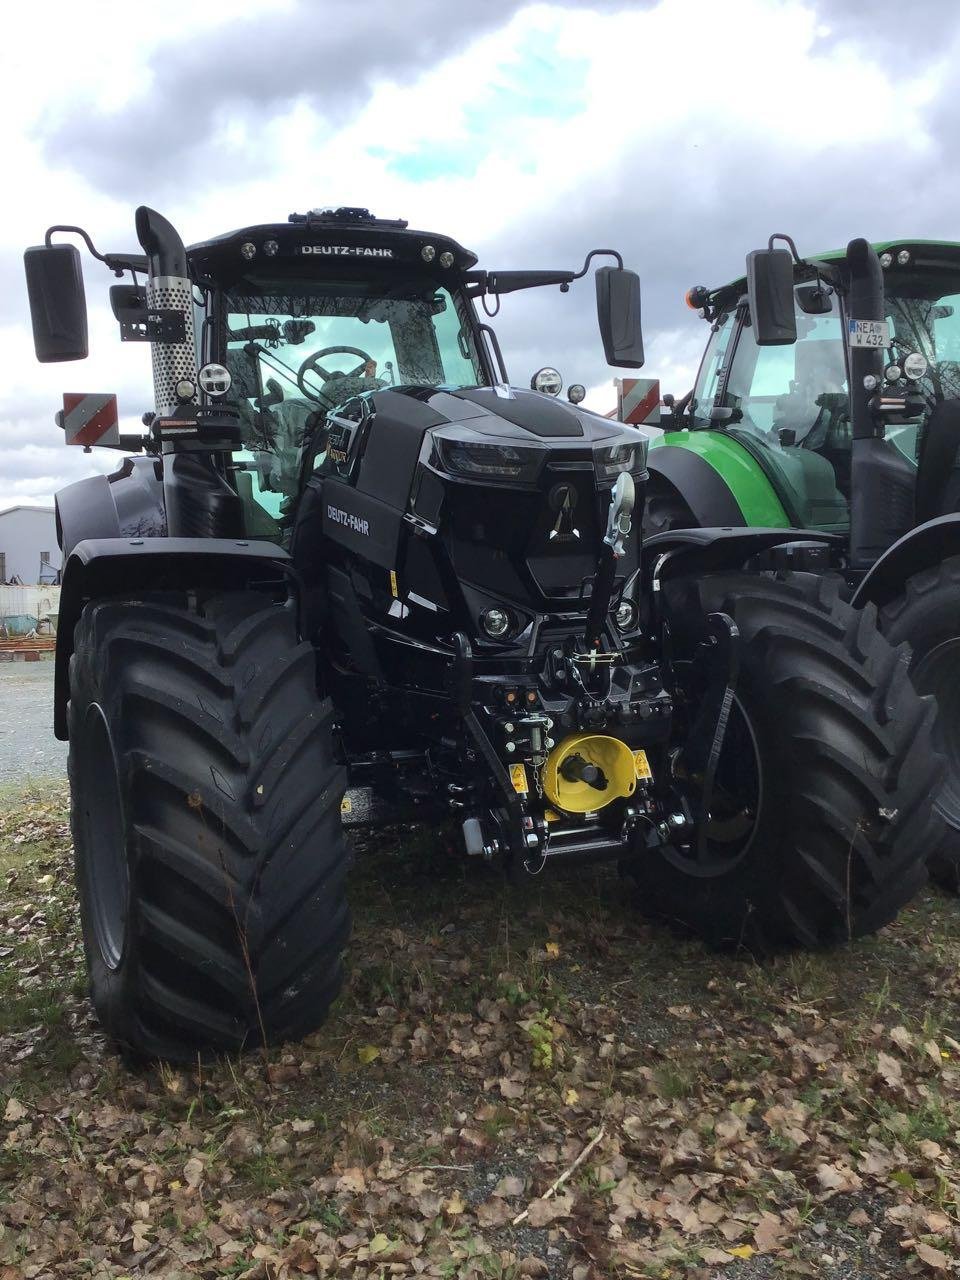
column 677, row 132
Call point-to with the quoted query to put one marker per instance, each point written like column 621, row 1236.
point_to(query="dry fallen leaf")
column 541, row 1213
column 742, row 1251
column 934, row 1258
column 715, row 1257
column 902, row 1039
column 509, row 1186
column 771, row 1233
column 15, row 1111
column 890, row 1070
column 933, row 1052
column 454, row 1205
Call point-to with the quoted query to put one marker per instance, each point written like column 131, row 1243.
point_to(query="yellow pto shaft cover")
column 586, row 771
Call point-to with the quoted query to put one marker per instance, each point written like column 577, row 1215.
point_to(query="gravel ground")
column 28, row 749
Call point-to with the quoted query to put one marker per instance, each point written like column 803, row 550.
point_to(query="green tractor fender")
column 716, row 478
column 922, row 548
column 101, row 567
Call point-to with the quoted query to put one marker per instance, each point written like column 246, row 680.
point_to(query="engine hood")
column 500, row 411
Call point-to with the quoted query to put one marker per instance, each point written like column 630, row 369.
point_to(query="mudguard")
column 128, row 503
column 101, row 567
column 921, row 548
column 696, row 551
column 703, row 489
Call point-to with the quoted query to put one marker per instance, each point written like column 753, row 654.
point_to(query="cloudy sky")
column 682, row 132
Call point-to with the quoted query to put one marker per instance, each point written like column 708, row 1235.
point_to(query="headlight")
column 610, row 459
column 495, row 622
column 477, row 460
column 626, row 616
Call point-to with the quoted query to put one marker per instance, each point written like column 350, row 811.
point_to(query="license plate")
column 642, row 765
column 518, row 776
column 869, row 333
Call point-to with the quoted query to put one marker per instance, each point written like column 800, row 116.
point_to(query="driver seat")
column 938, row 464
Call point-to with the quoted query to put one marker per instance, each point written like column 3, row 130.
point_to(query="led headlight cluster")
column 489, row 461
column 625, row 455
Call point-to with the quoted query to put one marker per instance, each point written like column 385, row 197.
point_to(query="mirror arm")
column 779, row 235
column 117, row 262
column 480, row 282
column 597, row 253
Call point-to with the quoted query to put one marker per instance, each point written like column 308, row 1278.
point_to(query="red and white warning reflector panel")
column 638, row 401
column 89, row 418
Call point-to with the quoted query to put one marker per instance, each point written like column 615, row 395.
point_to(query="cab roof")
column 925, row 255
column 329, row 235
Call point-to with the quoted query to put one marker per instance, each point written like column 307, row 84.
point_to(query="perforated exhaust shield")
column 172, row 361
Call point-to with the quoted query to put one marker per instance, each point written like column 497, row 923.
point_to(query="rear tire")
column 819, row 823
column 927, row 616
column 210, row 859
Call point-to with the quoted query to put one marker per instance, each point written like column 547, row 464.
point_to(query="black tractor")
column 349, row 574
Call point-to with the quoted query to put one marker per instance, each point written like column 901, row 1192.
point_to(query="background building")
column 28, row 546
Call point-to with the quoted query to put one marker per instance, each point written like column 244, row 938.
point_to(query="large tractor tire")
column 818, row 823
column 927, row 616
column 210, row 859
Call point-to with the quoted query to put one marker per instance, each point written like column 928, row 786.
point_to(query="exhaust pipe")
column 865, row 302
column 169, row 288
column 883, row 484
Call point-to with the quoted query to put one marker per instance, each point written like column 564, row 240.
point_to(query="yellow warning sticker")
column 642, row 764
column 346, row 805
column 393, row 584
column 518, row 776
column 551, row 815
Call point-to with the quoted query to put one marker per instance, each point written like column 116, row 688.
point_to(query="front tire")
column 818, row 826
column 927, row 616
column 210, row 859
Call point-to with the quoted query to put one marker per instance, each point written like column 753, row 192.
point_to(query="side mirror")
column 618, row 315
column 58, row 305
column 770, row 291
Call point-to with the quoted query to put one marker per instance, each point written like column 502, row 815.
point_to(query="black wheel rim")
column 938, row 672
column 104, row 844
column 734, row 807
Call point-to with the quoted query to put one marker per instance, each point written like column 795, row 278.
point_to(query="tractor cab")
column 787, row 404
column 306, row 317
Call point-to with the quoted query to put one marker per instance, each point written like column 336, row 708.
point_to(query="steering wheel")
column 312, row 363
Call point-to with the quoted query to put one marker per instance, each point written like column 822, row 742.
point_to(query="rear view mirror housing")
column 618, row 315
column 58, row 305
column 770, row 291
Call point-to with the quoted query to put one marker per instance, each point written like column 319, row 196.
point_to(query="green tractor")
column 827, row 400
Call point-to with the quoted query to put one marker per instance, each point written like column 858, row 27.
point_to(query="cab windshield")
column 789, row 405
column 923, row 311
column 297, row 350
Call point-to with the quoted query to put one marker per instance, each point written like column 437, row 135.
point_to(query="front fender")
column 697, row 551
column 720, row 482
column 98, row 568
column 920, row 549
column 128, row 503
